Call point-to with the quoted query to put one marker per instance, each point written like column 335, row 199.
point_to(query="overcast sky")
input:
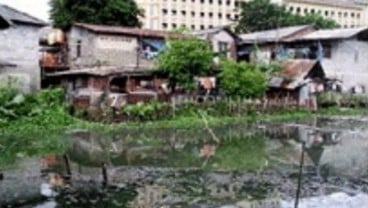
column 37, row 8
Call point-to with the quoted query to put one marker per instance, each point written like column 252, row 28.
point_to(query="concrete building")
column 94, row 45
column 19, row 48
column 222, row 39
column 347, row 13
column 205, row 14
column 192, row 14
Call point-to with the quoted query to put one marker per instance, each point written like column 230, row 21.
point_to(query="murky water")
column 191, row 168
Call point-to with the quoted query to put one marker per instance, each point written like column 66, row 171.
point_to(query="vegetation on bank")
column 45, row 111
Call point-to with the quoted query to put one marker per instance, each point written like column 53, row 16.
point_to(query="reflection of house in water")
column 341, row 153
column 298, row 81
column 117, row 86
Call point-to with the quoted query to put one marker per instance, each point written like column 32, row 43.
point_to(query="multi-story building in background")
column 192, row 14
column 347, row 13
column 206, row 14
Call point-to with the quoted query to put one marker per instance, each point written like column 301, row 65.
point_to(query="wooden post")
column 67, row 165
column 300, row 177
column 105, row 180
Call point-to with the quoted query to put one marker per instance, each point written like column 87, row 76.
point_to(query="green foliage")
column 259, row 15
column 15, row 105
column 110, row 12
column 144, row 111
column 242, row 80
column 185, row 59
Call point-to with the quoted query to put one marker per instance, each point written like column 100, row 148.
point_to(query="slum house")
column 341, row 52
column 267, row 45
column 297, row 83
column 223, row 41
column 110, row 86
column 93, row 45
column 19, row 51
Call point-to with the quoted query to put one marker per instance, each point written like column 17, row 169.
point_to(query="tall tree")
column 110, row 12
column 262, row 15
column 184, row 59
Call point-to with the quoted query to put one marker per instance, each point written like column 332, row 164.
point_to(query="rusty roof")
column 134, row 31
column 293, row 73
column 104, row 71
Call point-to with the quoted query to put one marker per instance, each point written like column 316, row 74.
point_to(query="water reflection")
column 143, row 166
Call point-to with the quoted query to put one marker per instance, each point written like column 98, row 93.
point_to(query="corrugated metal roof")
column 337, row 3
column 292, row 74
column 128, row 31
column 334, row 34
column 275, row 34
column 103, row 71
column 14, row 15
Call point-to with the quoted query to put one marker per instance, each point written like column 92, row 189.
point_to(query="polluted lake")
column 321, row 162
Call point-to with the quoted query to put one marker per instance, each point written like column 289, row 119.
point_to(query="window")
column 298, row 10
column 79, row 48
column 291, row 9
column 164, row 25
column 223, row 48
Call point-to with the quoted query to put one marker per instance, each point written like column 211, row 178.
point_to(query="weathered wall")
column 350, row 59
column 19, row 46
column 87, row 45
column 113, row 50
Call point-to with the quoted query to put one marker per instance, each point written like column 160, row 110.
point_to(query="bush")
column 242, row 80
column 145, row 111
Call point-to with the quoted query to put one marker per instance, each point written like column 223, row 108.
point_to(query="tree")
column 184, row 59
column 110, row 12
column 242, row 80
column 259, row 15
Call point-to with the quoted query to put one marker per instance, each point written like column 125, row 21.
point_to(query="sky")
column 36, row 8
